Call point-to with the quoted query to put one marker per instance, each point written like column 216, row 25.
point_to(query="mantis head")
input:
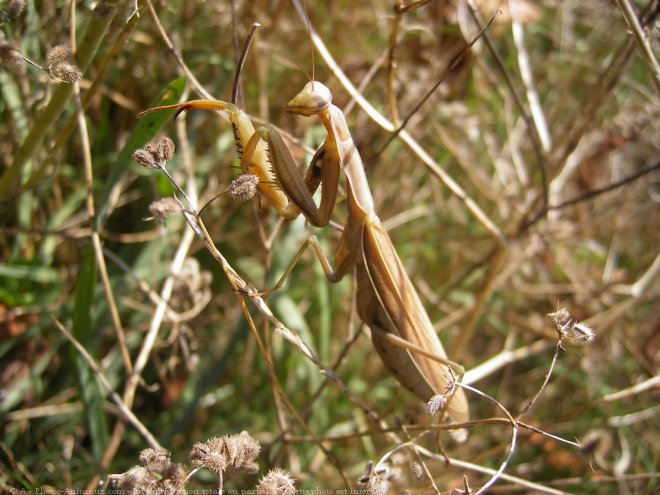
column 312, row 100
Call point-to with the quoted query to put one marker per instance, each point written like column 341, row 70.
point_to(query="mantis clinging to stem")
column 386, row 298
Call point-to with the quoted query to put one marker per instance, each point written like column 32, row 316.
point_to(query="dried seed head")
column 10, row 53
column 251, row 446
column 155, row 460
column 14, row 8
column 244, row 187
column 435, row 404
column 376, row 480
column 174, row 478
column 276, row 482
column 152, row 148
column 459, row 435
column 378, row 485
column 219, row 453
column 203, row 455
column 163, row 208
column 162, row 150
column 135, row 480
column 166, row 149
column 155, row 154
column 242, row 450
column 59, row 65
column 581, row 332
column 560, row 317
column 573, row 331
column 145, row 158
column 68, row 72
column 57, row 55
column 417, row 471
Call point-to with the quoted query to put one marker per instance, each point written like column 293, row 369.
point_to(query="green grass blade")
column 83, row 331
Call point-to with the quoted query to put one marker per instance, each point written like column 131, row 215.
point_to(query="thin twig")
column 503, row 476
column 527, row 77
column 642, row 40
column 597, row 192
column 503, row 359
column 512, row 445
column 96, row 239
column 636, row 389
column 147, row 346
column 555, row 356
column 125, row 410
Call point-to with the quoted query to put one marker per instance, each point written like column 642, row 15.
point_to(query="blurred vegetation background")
column 557, row 102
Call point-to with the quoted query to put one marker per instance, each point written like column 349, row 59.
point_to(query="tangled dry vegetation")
column 522, row 196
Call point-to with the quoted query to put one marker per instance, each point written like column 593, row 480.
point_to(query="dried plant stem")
column 503, row 359
column 514, row 435
column 638, row 288
column 503, row 476
column 636, row 389
column 455, row 60
column 596, row 192
column 399, row 10
column 440, row 427
column 524, row 65
column 96, row 239
column 581, row 121
column 317, row 393
column 391, row 65
column 642, row 40
column 125, row 410
column 532, row 131
column 103, row 67
column 555, row 356
column 373, row 70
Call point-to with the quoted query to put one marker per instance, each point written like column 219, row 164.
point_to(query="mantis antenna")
column 311, row 44
column 241, row 62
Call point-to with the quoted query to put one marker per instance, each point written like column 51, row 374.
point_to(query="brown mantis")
column 386, row 299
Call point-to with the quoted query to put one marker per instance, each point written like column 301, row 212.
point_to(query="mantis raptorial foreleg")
column 286, row 173
column 243, row 131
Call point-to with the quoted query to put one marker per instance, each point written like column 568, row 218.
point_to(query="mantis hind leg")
column 333, row 275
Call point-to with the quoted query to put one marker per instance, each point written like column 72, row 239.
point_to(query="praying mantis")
column 387, row 301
